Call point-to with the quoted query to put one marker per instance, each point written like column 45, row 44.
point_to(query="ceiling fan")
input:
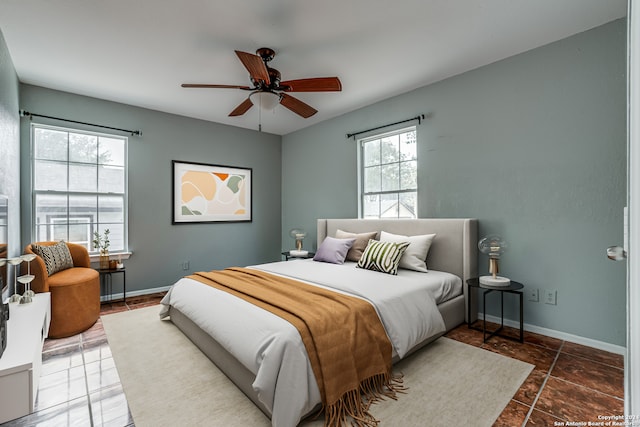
column 267, row 87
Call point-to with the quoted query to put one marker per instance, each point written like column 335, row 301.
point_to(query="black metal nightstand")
column 106, row 282
column 513, row 288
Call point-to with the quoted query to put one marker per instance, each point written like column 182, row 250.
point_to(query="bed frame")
column 454, row 250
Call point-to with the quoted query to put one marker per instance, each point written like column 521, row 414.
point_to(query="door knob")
column 616, row 253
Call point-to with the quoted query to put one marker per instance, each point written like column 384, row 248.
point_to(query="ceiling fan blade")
column 208, row 86
column 297, row 106
column 255, row 66
column 242, row 108
column 317, row 84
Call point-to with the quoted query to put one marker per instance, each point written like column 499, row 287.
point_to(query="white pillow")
column 415, row 257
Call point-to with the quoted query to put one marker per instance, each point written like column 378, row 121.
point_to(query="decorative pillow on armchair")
column 382, row 256
column 56, row 257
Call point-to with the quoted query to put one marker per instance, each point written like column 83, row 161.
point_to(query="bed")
column 271, row 367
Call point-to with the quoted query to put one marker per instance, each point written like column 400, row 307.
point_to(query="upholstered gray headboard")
column 454, row 248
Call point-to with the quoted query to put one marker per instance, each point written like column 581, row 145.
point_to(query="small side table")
column 288, row 256
column 106, row 281
column 513, row 288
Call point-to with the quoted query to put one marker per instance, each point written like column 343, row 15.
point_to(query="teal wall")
column 158, row 247
column 10, row 147
column 534, row 146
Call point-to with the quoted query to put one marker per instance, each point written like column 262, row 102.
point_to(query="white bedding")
column 442, row 285
column 271, row 347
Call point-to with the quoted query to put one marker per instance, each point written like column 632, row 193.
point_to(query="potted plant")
column 102, row 244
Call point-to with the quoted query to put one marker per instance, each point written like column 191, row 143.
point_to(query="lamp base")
column 294, row 253
column 494, row 281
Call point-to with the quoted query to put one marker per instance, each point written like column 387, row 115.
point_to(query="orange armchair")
column 75, row 292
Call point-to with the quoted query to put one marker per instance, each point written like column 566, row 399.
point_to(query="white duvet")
column 271, row 347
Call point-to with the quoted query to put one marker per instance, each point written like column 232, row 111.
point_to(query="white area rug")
column 169, row 382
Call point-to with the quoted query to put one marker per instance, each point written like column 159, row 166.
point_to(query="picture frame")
column 205, row 192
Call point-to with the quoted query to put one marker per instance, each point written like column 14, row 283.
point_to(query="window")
column 79, row 186
column 388, row 175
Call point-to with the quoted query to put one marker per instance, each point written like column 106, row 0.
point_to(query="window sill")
column 112, row 255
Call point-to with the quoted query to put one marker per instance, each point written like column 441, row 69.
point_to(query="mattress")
column 442, row 285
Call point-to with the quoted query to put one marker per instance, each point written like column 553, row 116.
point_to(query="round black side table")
column 513, row 288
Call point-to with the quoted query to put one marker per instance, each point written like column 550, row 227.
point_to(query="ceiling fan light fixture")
column 265, row 100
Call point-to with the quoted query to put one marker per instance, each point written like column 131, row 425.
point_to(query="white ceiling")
column 139, row 52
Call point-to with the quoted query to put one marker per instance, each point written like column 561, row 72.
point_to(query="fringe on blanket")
column 354, row 405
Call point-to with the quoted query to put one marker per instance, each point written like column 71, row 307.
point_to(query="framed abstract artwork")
column 210, row 193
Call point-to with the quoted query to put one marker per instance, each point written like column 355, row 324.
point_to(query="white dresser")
column 21, row 361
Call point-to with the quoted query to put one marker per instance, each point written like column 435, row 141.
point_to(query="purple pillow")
column 333, row 250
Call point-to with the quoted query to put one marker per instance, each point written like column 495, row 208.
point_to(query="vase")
column 104, row 259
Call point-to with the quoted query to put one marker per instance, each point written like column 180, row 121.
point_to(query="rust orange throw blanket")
column 347, row 345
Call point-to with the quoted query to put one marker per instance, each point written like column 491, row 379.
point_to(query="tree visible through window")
column 79, row 186
column 389, row 175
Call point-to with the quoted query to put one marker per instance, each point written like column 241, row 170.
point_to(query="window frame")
column 95, row 225
column 361, row 173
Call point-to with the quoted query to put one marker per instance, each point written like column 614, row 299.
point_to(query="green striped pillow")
column 382, row 256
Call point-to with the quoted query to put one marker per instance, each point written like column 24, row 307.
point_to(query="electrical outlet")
column 185, row 265
column 550, row 296
column 533, row 295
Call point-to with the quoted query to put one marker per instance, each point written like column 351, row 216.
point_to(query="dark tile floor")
column 570, row 382
column 79, row 384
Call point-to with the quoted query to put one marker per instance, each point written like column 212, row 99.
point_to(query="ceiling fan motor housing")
column 274, row 81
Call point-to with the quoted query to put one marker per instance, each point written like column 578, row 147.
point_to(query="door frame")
column 632, row 365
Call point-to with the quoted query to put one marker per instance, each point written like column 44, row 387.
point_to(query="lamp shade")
column 492, row 245
column 297, row 233
column 265, row 100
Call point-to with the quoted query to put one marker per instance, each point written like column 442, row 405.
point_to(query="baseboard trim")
column 106, row 298
column 601, row 345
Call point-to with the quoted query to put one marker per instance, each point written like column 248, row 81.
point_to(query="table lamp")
column 298, row 234
column 26, row 279
column 493, row 246
column 16, row 297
